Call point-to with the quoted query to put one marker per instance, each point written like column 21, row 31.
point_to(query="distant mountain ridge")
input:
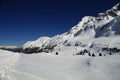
column 106, row 24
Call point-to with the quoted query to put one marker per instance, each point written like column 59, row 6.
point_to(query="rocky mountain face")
column 106, row 24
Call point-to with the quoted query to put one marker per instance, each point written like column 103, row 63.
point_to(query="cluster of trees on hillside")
column 114, row 49
column 85, row 51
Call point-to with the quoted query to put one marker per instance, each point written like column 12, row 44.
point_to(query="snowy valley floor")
column 17, row 66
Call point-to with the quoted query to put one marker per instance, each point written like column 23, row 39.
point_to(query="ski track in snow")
column 42, row 71
column 28, row 75
column 7, row 60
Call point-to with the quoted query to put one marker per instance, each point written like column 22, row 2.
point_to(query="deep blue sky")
column 23, row 20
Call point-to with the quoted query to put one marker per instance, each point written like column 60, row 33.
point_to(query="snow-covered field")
column 17, row 66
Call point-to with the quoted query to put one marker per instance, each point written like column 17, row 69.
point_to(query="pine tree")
column 93, row 55
column 56, row 53
column 100, row 54
column 110, row 53
column 89, row 54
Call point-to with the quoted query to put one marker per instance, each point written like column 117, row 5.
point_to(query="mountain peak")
column 114, row 11
column 117, row 7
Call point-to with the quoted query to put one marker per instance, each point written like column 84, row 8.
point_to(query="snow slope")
column 36, row 43
column 7, row 60
column 14, row 66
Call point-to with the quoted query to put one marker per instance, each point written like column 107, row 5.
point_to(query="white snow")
column 36, row 43
column 16, row 66
column 7, row 60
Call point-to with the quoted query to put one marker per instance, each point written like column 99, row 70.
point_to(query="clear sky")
column 24, row 20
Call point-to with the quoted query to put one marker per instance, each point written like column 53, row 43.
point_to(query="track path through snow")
column 7, row 61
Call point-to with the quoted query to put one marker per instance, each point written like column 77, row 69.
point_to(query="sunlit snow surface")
column 17, row 66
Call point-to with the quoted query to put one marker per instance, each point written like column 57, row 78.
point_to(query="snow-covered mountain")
column 37, row 43
column 88, row 31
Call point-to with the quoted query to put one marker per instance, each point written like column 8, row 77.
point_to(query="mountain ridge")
column 104, row 25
